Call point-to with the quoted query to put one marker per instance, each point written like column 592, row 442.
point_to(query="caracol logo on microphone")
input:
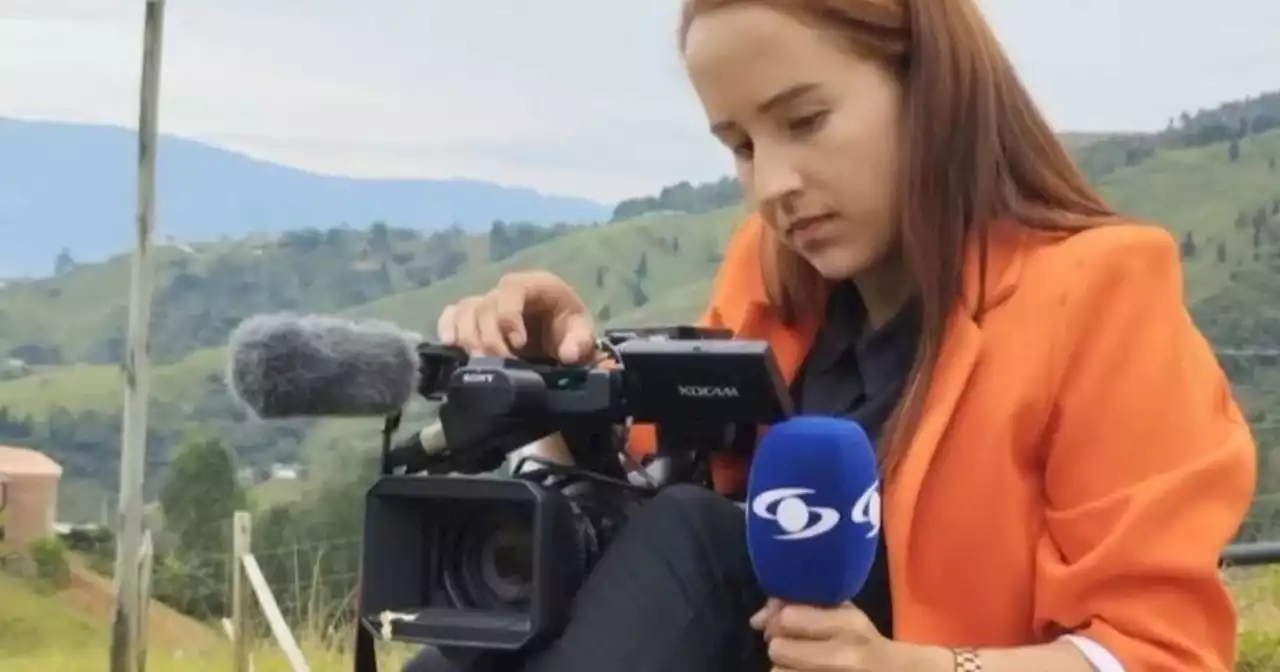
column 799, row 520
column 866, row 511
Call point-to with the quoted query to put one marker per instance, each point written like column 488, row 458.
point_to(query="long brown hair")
column 976, row 150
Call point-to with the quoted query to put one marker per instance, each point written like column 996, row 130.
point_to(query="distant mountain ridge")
column 73, row 185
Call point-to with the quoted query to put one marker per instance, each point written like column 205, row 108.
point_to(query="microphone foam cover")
column 813, row 510
column 287, row 365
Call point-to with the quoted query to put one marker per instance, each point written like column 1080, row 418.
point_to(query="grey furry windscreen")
column 288, row 365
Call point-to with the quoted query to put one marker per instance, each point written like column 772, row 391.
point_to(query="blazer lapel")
column 956, row 361
column 961, row 347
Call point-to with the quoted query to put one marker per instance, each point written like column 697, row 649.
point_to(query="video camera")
column 463, row 559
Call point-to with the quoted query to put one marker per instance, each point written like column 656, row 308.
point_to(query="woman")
column 1062, row 457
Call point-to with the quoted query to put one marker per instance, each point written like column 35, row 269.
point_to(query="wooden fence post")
column 242, row 533
column 146, row 555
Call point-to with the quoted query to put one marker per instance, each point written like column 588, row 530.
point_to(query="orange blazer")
column 1080, row 463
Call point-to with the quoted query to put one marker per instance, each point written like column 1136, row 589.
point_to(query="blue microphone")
column 813, row 510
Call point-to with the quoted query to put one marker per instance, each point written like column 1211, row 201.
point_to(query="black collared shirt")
column 851, row 373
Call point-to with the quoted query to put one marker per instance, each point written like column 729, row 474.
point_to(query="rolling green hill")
column 679, row 250
column 1197, row 192
column 202, row 291
column 1222, row 198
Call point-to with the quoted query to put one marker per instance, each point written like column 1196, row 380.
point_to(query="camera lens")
column 491, row 566
column 507, row 563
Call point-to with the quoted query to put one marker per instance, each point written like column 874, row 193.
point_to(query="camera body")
column 463, row 559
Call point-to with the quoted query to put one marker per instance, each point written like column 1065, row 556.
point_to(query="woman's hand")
column 531, row 314
column 836, row 639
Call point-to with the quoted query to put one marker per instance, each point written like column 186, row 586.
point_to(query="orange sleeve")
column 1150, row 466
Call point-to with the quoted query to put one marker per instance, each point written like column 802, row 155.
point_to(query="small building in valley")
column 28, row 496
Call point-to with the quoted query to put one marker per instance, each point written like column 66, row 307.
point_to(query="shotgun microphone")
column 287, row 365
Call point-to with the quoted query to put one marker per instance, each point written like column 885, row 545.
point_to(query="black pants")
column 673, row 593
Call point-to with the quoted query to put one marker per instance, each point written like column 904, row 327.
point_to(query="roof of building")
column 27, row 462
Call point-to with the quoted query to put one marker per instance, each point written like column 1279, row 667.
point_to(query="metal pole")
column 1252, row 555
column 133, row 440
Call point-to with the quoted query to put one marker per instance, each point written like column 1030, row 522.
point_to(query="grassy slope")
column 41, row 632
column 95, row 298
column 77, row 309
column 1077, row 140
column 1195, row 190
column 576, row 256
column 1201, row 191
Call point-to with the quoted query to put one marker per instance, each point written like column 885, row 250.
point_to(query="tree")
column 64, row 263
column 1188, row 246
column 379, row 238
column 198, row 500
column 200, row 496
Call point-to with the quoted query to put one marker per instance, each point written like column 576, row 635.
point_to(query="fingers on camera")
column 488, row 324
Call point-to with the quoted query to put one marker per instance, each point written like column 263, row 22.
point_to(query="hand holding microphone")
column 812, row 531
column 811, row 639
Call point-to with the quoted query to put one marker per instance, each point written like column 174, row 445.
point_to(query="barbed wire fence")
column 304, row 594
column 292, row 594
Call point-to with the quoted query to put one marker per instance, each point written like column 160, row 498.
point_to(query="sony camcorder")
column 462, row 558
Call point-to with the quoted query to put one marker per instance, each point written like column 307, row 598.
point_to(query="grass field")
column 68, row 632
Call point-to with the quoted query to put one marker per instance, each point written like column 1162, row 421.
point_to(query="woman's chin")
column 836, row 265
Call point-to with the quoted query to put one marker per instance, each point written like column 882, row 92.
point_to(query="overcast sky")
column 572, row 96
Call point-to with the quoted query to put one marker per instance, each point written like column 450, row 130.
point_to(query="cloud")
column 63, row 11
column 582, row 96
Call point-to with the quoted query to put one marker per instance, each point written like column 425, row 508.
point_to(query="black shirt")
column 862, row 376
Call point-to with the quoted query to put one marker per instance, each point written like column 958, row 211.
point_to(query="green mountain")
column 203, row 290
column 1219, row 193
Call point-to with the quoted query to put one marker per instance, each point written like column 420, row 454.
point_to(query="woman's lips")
column 808, row 230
